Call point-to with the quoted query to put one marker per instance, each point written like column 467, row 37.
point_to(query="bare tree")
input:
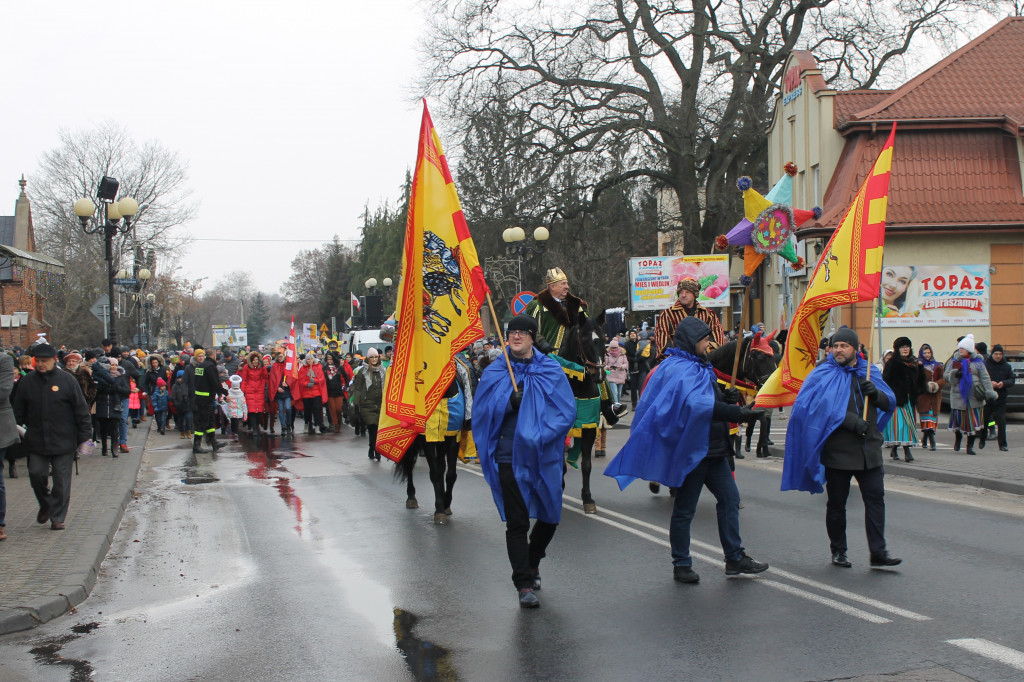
column 305, row 286
column 677, row 92
column 149, row 173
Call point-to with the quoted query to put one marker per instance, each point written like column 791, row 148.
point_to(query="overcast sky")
column 291, row 115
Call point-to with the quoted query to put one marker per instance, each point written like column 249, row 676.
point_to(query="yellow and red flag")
column 849, row 270
column 439, row 299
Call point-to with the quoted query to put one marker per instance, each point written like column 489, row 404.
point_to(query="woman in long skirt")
column 929, row 404
column 970, row 387
column 905, row 376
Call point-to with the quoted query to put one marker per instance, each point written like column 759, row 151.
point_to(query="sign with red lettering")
column 653, row 280
column 934, row 295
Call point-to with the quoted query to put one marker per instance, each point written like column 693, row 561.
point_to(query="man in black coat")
column 1001, row 373
column 204, row 387
column 854, row 450
column 51, row 406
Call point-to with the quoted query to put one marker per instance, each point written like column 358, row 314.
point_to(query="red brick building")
column 25, row 277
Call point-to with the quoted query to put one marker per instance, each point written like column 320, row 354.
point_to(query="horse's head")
column 760, row 359
column 585, row 345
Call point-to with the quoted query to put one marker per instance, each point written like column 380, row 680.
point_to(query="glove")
column 731, row 395
column 468, row 426
column 749, row 414
column 860, row 427
column 544, row 346
column 516, row 400
column 868, row 389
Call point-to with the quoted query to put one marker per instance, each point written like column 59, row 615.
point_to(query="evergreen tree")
column 259, row 318
column 334, row 301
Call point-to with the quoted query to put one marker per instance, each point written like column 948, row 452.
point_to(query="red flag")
column 355, row 300
column 290, row 366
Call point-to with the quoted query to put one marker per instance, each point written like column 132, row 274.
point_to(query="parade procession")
column 641, row 249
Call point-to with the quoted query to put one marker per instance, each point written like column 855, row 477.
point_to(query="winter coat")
column 52, row 408
column 88, row 383
column 368, row 399
column 235, row 404
column 279, row 378
column 134, row 401
column 312, row 374
column 131, row 367
column 254, row 384
column 979, row 376
column 149, row 383
column 338, row 383
column 906, row 379
column 160, row 398
column 1000, row 371
column 844, row 449
column 179, row 396
column 617, row 365
column 8, row 432
column 932, row 402
column 232, row 364
column 205, row 384
column 110, row 396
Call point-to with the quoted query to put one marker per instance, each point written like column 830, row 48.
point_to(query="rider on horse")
column 555, row 310
column 686, row 305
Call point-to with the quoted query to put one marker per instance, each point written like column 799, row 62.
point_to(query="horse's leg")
column 586, row 450
column 410, row 489
column 452, row 455
column 765, row 436
column 435, row 463
column 750, row 433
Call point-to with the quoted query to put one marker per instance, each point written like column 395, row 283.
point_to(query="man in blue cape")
column 520, row 436
column 680, row 438
column 829, row 442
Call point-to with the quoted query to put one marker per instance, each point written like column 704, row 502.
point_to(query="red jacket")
column 319, row 387
column 254, row 386
column 277, row 374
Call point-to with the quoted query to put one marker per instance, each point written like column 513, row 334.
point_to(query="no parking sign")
column 522, row 300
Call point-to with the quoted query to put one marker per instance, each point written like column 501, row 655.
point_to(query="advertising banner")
column 309, row 338
column 232, row 336
column 934, row 295
column 652, row 281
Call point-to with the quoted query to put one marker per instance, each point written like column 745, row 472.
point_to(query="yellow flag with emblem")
column 849, row 270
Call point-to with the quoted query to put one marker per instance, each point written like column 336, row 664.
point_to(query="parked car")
column 1015, row 394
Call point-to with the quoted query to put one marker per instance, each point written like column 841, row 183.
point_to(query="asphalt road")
column 302, row 563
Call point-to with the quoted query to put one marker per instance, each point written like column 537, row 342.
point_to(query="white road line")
column 846, row 594
column 992, row 651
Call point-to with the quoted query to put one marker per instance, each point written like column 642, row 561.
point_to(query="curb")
column 81, row 576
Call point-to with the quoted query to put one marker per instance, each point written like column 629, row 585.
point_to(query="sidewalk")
column 44, row 573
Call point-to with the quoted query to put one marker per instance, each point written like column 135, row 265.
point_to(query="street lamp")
column 518, row 245
column 112, row 217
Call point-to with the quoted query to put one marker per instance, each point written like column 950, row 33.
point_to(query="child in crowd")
column 134, row 404
column 235, row 407
column 160, row 398
column 179, row 396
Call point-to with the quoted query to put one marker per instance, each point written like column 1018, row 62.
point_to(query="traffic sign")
column 127, row 282
column 522, row 300
column 100, row 307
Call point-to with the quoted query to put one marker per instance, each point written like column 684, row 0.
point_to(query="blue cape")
column 819, row 410
column 546, row 414
column 671, row 426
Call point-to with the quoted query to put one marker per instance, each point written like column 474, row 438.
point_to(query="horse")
column 583, row 350
column 757, row 363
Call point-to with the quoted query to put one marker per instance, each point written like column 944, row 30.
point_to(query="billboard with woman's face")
column 934, row 295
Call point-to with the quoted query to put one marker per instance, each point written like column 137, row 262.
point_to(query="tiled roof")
column 981, row 80
column 846, row 104
column 7, row 230
column 950, row 178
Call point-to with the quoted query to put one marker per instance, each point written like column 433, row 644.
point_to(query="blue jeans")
column 714, row 473
column 184, row 421
column 615, row 390
column 161, row 418
column 123, row 428
column 284, row 412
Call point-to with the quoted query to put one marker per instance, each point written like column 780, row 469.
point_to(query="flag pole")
column 497, row 327
column 739, row 337
column 875, row 323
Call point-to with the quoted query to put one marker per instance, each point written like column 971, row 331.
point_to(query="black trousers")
column 441, row 459
column 57, row 497
column 872, row 491
column 524, row 553
column 202, row 419
column 997, row 411
column 313, row 412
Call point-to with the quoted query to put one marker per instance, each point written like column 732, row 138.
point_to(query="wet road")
column 300, row 562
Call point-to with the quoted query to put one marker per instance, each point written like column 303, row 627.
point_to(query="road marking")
column 846, row 594
column 796, row 591
column 992, row 651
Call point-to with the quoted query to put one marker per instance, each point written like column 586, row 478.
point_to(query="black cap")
column 43, row 350
column 88, row 354
column 998, row 348
column 845, row 335
column 524, row 323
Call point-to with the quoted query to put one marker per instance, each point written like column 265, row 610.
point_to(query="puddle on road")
column 266, row 456
column 198, row 472
column 426, row 660
column 48, row 653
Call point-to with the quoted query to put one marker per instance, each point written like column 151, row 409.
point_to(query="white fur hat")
column 967, row 343
column 235, row 380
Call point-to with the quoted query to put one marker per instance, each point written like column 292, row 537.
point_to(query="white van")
column 361, row 340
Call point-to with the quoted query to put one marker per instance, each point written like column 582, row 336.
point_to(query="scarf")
column 369, row 372
column 966, row 379
column 929, row 365
column 332, row 371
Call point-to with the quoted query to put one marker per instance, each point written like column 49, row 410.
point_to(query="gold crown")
column 554, row 275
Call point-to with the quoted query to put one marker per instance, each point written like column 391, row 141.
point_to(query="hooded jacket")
column 254, row 383
column 149, row 384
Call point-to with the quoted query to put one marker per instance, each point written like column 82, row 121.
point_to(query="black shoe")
column 769, row 441
column 600, row 453
column 655, row 487
column 746, row 448
column 1002, row 448
column 895, row 453
column 527, row 599
column 216, row 444
column 740, row 455
column 840, row 559
column 884, row 560
column 981, row 441
column 907, row 457
column 970, row 445
column 376, row 456
column 744, row 564
column 686, row 574
column 956, row 441
column 991, row 432
column 536, row 579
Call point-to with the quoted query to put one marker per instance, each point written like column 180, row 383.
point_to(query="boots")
column 956, row 440
column 930, row 434
column 11, row 471
column 981, row 438
column 212, row 439
column 970, row 445
column 197, row 445
column 907, row 457
column 746, row 448
column 894, row 454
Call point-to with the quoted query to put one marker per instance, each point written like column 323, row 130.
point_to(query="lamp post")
column 373, row 310
column 517, row 244
column 111, row 217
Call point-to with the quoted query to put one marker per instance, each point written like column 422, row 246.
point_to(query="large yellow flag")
column 439, row 299
column 849, row 270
